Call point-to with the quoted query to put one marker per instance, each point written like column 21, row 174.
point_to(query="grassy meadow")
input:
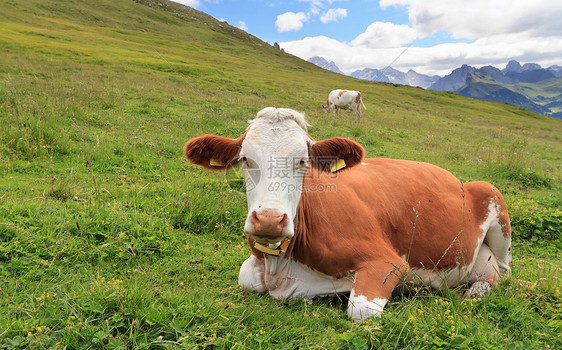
column 109, row 239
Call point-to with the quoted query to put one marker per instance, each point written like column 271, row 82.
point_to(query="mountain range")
column 528, row 86
column 386, row 75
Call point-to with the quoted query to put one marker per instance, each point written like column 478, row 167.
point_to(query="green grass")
column 110, row 239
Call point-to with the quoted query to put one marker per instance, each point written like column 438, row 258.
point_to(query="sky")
column 427, row 36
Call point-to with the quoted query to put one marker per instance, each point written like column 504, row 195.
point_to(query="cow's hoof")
column 478, row 289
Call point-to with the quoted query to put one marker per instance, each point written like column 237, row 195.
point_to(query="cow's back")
column 343, row 98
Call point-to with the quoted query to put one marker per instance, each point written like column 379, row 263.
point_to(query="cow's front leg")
column 373, row 286
column 251, row 276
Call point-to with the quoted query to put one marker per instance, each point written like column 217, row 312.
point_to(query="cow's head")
column 326, row 107
column 275, row 152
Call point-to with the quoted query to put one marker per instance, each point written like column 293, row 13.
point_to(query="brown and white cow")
column 365, row 229
column 345, row 99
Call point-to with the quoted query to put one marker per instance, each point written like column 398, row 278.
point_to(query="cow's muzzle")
column 268, row 224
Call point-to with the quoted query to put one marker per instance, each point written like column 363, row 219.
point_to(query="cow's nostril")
column 284, row 220
column 255, row 218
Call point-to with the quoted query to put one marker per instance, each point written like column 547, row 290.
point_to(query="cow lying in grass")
column 322, row 220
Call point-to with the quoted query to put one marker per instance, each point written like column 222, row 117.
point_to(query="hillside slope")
column 492, row 91
column 542, row 97
column 110, row 239
column 547, row 93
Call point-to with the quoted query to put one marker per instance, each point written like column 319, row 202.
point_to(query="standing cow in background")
column 345, row 99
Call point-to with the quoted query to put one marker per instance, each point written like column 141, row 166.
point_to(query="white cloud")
column 316, row 5
column 191, row 3
column 440, row 59
column 242, row 25
column 333, row 15
column 482, row 18
column 290, row 21
column 385, row 34
column 499, row 30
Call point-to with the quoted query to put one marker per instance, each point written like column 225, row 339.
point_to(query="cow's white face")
column 275, row 158
column 275, row 152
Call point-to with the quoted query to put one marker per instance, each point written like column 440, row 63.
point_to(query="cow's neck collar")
column 280, row 250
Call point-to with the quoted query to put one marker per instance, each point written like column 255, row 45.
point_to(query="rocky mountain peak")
column 512, row 66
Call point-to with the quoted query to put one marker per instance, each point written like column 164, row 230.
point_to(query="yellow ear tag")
column 215, row 162
column 338, row 165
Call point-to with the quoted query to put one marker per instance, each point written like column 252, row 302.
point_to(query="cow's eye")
column 303, row 163
column 244, row 160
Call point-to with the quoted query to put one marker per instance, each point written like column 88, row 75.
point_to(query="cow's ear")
column 336, row 153
column 213, row 152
